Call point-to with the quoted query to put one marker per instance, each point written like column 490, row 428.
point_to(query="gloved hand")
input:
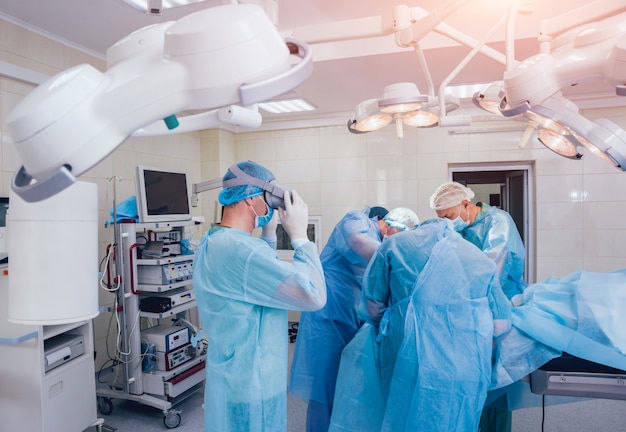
column 268, row 230
column 295, row 216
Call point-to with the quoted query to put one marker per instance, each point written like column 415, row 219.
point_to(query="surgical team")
column 406, row 325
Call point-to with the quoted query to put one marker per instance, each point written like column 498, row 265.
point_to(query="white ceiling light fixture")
column 582, row 50
column 286, row 106
column 402, row 103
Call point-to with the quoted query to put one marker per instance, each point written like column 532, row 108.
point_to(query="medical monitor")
column 162, row 195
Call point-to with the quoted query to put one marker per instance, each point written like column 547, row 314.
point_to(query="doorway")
column 508, row 186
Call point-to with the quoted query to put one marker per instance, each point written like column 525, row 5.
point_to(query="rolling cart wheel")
column 105, row 406
column 172, row 421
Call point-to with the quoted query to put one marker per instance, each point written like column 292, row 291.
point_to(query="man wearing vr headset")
column 243, row 292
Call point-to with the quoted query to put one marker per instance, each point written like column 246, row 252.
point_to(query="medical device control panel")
column 165, row 273
column 172, row 345
column 166, row 361
column 167, row 337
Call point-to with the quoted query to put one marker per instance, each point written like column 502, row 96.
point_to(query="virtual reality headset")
column 273, row 192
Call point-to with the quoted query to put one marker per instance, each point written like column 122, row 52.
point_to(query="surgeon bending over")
column 323, row 334
column 494, row 232
column 243, row 292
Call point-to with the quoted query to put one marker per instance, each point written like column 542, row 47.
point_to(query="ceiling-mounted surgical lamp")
column 607, row 141
column 401, row 102
column 594, row 51
column 401, row 98
column 489, row 100
column 368, row 117
column 222, row 56
column 563, row 130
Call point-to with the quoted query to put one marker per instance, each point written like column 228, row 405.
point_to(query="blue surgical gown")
column 422, row 362
column 494, row 232
column 323, row 334
column 243, row 292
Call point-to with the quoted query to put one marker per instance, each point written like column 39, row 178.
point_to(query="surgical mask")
column 260, row 221
column 459, row 224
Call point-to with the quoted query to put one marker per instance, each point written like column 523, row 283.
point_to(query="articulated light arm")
column 212, row 60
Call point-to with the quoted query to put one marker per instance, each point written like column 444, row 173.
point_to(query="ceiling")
column 345, row 71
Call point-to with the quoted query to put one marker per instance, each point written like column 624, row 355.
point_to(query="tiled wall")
column 579, row 205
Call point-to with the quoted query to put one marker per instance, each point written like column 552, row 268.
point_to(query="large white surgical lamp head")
column 217, row 57
column 401, row 102
column 595, row 51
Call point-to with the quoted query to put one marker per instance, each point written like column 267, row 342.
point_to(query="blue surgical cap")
column 231, row 195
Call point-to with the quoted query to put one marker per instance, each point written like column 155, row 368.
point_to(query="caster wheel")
column 105, row 406
column 172, row 421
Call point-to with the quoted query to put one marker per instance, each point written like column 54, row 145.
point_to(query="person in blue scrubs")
column 491, row 229
column 494, row 232
column 323, row 334
column 243, row 291
column 432, row 304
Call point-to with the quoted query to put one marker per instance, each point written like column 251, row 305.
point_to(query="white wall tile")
column 604, row 215
column 560, row 215
column 563, row 188
column 559, row 243
column 344, row 169
column 400, row 167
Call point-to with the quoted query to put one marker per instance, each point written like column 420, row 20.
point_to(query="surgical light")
column 368, row 117
column 402, row 103
column 532, row 89
column 489, row 100
column 558, row 143
column 401, row 98
column 421, row 118
column 606, row 140
column 222, row 56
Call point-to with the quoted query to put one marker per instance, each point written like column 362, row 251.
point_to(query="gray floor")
column 130, row 416
column 582, row 415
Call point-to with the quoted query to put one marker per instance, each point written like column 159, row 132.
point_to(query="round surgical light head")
column 368, row 117
column 420, row 118
column 537, row 116
column 560, row 144
column 607, row 141
column 489, row 100
column 401, row 98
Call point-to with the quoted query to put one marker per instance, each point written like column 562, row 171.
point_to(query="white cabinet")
column 37, row 397
column 157, row 288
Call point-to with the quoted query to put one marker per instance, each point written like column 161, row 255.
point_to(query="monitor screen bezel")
column 142, row 208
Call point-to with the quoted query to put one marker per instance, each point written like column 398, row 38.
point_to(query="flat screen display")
column 162, row 195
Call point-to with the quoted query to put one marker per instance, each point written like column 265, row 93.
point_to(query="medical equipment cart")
column 47, row 374
column 158, row 289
